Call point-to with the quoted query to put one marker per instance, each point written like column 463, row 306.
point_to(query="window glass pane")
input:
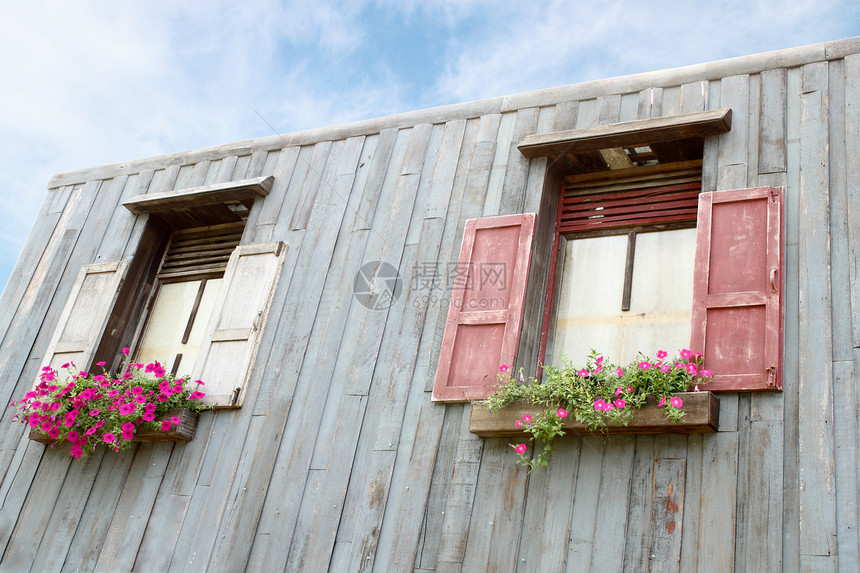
column 162, row 340
column 592, row 284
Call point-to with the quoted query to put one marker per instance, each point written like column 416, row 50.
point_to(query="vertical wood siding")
column 339, row 461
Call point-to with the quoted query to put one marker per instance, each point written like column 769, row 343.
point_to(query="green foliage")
column 597, row 394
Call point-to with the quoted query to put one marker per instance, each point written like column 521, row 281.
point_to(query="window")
column 733, row 256
column 107, row 308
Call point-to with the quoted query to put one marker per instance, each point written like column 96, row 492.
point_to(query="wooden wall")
column 339, row 460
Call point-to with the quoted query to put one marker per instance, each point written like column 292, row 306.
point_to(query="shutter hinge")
column 257, row 319
column 235, row 396
column 771, row 377
column 774, row 194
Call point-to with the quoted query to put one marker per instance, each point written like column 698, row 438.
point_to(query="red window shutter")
column 737, row 290
column 486, row 307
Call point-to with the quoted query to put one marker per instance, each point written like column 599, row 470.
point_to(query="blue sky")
column 92, row 83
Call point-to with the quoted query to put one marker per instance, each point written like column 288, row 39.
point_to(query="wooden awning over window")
column 629, row 144
column 199, row 206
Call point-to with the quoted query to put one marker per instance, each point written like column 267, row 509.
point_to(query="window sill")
column 702, row 416
column 182, row 433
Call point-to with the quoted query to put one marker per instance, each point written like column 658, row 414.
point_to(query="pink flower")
column 175, row 420
column 125, row 351
column 619, row 390
column 504, row 368
column 620, row 403
column 200, row 382
column 73, row 436
column 561, row 413
column 95, row 413
column 196, row 395
column 599, row 404
column 140, row 399
column 583, row 372
column 46, row 426
column 127, row 436
column 99, row 378
column 676, row 402
column 165, row 425
column 54, row 433
column 661, row 402
column 76, row 451
column 521, row 448
column 526, row 419
column 661, row 354
column 619, row 372
column 137, row 390
column 599, row 360
column 598, row 369
column 102, row 363
column 644, row 365
column 707, row 373
column 686, row 354
column 691, row 368
column 127, row 408
column 109, row 438
column 91, row 431
column 696, row 388
column 114, row 393
column 128, row 427
column 665, row 368
column 630, row 389
column 518, row 423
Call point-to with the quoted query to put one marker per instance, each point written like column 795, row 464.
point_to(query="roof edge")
column 784, row 58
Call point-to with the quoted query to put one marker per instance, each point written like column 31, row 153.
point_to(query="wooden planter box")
column 182, row 433
column 702, row 415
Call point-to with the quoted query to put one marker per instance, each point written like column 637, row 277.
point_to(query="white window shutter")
column 85, row 316
column 233, row 334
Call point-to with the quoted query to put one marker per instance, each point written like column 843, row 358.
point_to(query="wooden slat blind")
column 201, row 250
column 671, row 199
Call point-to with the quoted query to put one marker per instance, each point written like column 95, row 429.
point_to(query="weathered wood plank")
column 852, row 167
column 283, row 171
column 637, row 532
column 791, row 336
column 461, row 491
column 668, row 514
column 840, row 247
column 123, row 538
column 847, row 459
column 517, row 172
column 497, row 512
column 753, row 130
column 815, row 427
column 694, row 97
column 319, row 167
column 565, row 115
column 24, row 529
column 732, row 169
column 317, row 524
column 583, row 518
column 692, row 502
column 504, row 136
column 101, row 502
column 772, row 122
column 424, row 197
column 711, row 151
column 671, row 102
column 549, row 501
column 612, row 513
column 718, row 505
